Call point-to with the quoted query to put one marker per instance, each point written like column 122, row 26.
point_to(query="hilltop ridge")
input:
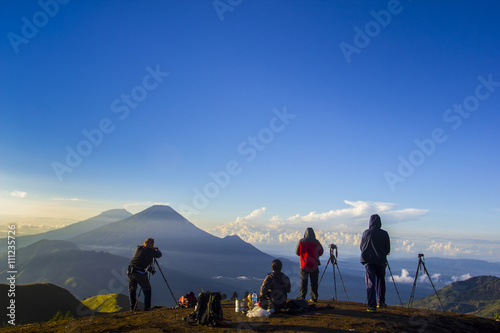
column 325, row 316
column 479, row 295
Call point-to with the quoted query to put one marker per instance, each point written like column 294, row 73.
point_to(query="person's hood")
column 375, row 221
column 309, row 233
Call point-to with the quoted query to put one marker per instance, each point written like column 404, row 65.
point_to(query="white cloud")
column 339, row 238
column 67, row 199
column 443, row 248
column 359, row 212
column 462, row 277
column 406, row 246
column 253, row 216
column 403, row 278
column 18, row 194
column 340, row 227
column 424, row 278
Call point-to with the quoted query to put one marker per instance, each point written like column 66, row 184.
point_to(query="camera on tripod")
column 420, row 255
column 151, row 269
column 332, row 247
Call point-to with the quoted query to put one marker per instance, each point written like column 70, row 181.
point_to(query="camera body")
column 420, row 255
column 332, row 246
column 152, row 270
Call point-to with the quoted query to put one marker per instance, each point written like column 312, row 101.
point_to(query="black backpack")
column 208, row 310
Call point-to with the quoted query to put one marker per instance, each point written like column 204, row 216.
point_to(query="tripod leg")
column 334, row 281
column 157, row 264
column 401, row 302
column 137, row 299
column 345, row 292
column 324, row 272
column 425, row 270
column 412, row 296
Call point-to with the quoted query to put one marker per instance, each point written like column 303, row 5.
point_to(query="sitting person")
column 274, row 289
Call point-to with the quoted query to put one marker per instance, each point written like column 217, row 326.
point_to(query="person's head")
column 375, row 221
column 309, row 233
column 149, row 242
column 276, row 265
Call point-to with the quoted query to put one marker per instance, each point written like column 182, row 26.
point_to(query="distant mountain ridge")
column 72, row 230
column 95, row 262
column 479, row 295
column 186, row 247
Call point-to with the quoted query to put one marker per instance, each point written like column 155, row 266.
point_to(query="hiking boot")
column 313, row 300
column 372, row 309
column 382, row 306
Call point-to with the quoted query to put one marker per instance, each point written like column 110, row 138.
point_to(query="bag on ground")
column 188, row 300
column 208, row 309
column 296, row 305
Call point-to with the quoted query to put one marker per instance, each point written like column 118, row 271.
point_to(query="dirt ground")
column 326, row 316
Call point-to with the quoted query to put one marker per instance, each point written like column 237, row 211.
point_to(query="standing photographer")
column 309, row 250
column 137, row 272
column 375, row 246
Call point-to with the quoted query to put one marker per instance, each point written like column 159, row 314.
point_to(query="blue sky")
column 257, row 117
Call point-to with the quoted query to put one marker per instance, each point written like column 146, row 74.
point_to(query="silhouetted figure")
column 137, row 272
column 309, row 250
column 275, row 287
column 375, row 246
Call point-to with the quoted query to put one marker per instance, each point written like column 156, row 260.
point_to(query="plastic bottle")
column 254, row 299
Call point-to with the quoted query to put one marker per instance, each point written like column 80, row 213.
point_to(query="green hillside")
column 39, row 302
column 109, row 303
column 478, row 296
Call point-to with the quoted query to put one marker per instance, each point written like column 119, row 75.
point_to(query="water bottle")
column 254, row 299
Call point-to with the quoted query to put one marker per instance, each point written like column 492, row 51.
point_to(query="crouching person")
column 274, row 289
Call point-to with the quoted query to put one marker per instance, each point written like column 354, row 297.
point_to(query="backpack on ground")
column 208, row 309
column 296, row 306
column 188, row 300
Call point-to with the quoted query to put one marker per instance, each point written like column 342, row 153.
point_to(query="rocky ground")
column 327, row 316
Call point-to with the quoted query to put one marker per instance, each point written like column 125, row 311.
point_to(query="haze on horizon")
column 257, row 118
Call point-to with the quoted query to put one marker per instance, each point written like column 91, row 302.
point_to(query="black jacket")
column 143, row 257
column 375, row 243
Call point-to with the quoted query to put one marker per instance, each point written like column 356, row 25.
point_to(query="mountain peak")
column 162, row 212
column 119, row 213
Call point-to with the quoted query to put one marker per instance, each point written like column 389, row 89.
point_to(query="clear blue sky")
column 307, row 106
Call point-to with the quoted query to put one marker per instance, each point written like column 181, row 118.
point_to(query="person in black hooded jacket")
column 137, row 272
column 275, row 287
column 375, row 246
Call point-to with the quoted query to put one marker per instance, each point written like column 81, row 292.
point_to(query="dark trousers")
column 142, row 280
column 375, row 278
column 304, row 277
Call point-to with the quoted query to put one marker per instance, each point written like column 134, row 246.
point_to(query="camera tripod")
column 151, row 271
column 333, row 260
column 165, row 279
column 421, row 263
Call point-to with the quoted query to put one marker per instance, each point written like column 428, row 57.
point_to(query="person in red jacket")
column 309, row 250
